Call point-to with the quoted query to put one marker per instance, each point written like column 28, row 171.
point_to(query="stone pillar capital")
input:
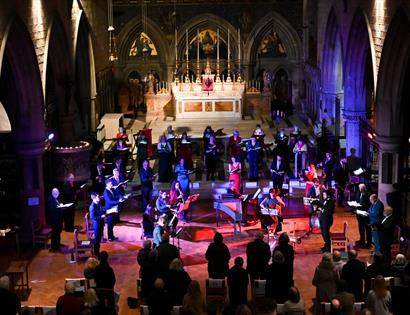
column 353, row 115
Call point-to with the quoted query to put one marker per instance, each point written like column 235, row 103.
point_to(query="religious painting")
column 207, row 84
column 208, row 41
column 271, row 46
column 143, row 46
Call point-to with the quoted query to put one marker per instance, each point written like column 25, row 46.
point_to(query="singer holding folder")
column 55, row 217
column 112, row 200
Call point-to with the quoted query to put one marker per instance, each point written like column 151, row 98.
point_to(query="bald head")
column 387, row 211
column 55, row 193
column 259, row 235
column 69, row 287
column 159, row 284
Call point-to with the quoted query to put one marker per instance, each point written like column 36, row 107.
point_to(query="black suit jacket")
column 354, row 272
column 282, row 168
column 55, row 214
column 386, row 232
column 364, row 200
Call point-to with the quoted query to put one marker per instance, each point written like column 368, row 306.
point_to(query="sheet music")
column 83, row 185
column 65, row 205
column 267, row 211
column 354, row 204
column 112, row 210
column 358, row 172
column 362, row 213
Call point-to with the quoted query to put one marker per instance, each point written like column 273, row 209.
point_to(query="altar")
column 225, row 100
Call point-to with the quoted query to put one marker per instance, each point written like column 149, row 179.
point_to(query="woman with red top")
column 234, row 145
column 176, row 196
column 235, row 173
column 122, row 135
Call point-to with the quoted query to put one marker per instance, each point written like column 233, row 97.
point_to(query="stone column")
column 389, row 159
column 352, row 129
column 328, row 100
column 93, row 113
column 32, row 203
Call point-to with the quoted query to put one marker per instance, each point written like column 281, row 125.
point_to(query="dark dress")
column 55, row 216
column 218, row 257
column 210, row 160
column 258, row 256
column 164, row 163
column 238, row 280
column 278, row 282
column 326, row 221
column 69, row 196
column 184, row 151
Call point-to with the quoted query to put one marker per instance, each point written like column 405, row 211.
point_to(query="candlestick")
column 187, row 58
column 217, row 57
column 228, row 77
column 197, row 57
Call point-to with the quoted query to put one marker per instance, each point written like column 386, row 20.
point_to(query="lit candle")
column 233, row 77
column 223, row 77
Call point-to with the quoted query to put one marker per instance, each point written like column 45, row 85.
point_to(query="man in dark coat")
column 146, row 177
column 364, row 228
column 279, row 169
column 354, row 274
column 238, row 280
column 97, row 215
column 257, row 256
column 340, row 177
column 218, row 257
column 55, row 215
column 166, row 253
column 159, row 301
column 112, row 200
column 9, row 301
column 105, row 279
column 386, row 234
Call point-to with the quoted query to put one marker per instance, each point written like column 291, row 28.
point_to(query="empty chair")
column 339, row 240
column 215, row 293
column 41, row 233
column 88, row 227
column 81, row 246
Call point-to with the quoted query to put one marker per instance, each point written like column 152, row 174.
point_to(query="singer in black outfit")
column 97, row 215
column 327, row 207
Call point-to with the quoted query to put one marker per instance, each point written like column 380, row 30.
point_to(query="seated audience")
column 69, row 304
column 237, row 279
column 397, row 266
column 177, row 281
column 337, row 261
column 324, row 280
column 194, row 302
column 159, row 301
column 89, row 267
column 345, row 299
column 279, row 280
column 9, row 301
column 354, row 273
column 92, row 304
column 294, row 303
column 243, row 310
column 218, row 257
column 379, row 299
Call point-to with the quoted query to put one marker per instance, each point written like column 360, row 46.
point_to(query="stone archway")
column 332, row 74
column 392, row 97
column 358, row 82
column 22, row 97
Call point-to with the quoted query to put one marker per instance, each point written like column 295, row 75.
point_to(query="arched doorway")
column 332, row 75
column 22, row 98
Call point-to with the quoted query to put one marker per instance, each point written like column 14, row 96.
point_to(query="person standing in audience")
column 235, row 171
column 105, row 279
column 211, row 152
column 194, row 302
column 397, row 266
column 97, row 215
column 379, row 299
column 346, row 299
column 69, row 304
column 324, row 280
column 234, row 146
column 218, row 257
column 149, row 274
column 294, row 303
column 159, row 230
column 376, row 268
column 353, row 272
column 326, row 218
column 89, row 267
column 9, row 301
column 69, row 195
column 146, row 178
column 253, row 149
column 166, row 254
column 177, row 281
column 278, row 169
column 257, row 258
column 55, row 216
column 279, row 280
column 92, row 305
column 385, row 230
column 143, row 256
column 288, row 252
column 375, row 217
column 365, row 230
column 237, row 279
column 164, row 161
column 159, row 301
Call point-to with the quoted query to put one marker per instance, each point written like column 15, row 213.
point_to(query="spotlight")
column 50, row 136
column 370, row 135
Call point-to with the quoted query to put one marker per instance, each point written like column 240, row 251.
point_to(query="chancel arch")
column 332, row 94
column 358, row 85
column 21, row 94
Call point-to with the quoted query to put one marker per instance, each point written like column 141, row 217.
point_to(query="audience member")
column 92, row 304
column 271, row 307
column 385, row 230
column 294, row 303
column 346, row 299
column 89, row 267
column 194, row 302
column 105, row 279
column 218, row 257
column 354, row 273
column 237, row 279
column 149, row 274
column 278, row 280
column 148, row 221
column 288, row 252
column 379, row 299
column 143, row 255
column 68, row 304
column 159, row 301
column 177, row 281
column 337, row 261
column 159, row 230
column 373, row 270
column 257, row 257
column 9, row 301
column 243, row 310
column 324, row 280
column 166, row 253
column 397, row 266
column 363, row 222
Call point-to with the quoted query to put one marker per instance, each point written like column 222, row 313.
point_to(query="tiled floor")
column 48, row 270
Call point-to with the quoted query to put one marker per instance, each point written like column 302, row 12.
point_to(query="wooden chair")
column 81, row 246
column 80, row 285
column 358, row 307
column 41, row 233
column 259, row 299
column 89, row 231
column 340, row 240
column 215, row 293
column 35, row 309
column 390, row 282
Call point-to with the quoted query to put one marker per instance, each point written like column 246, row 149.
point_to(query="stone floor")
column 48, row 270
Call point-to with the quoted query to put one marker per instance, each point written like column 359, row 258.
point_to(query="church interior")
column 260, row 100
